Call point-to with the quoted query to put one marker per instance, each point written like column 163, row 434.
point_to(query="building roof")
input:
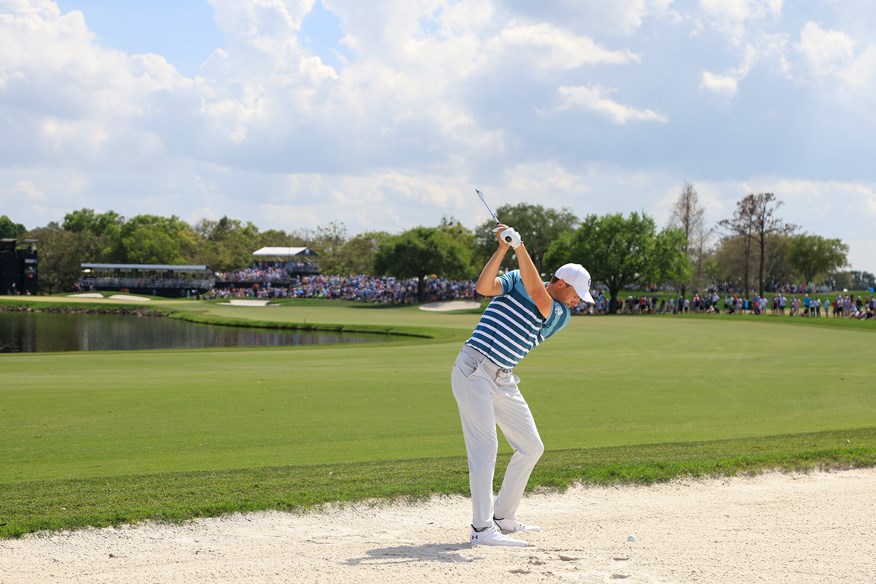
column 167, row 267
column 284, row 252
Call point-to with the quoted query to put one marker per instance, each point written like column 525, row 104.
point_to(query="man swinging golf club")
column 523, row 313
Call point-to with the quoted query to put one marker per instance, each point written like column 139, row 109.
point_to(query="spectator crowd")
column 274, row 281
column 382, row 290
column 268, row 272
column 843, row 305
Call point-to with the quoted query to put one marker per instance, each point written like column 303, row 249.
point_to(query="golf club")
column 484, row 201
column 509, row 235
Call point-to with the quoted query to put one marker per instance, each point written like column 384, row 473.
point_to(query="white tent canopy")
column 284, row 252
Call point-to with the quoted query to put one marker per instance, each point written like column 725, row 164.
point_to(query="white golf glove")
column 511, row 237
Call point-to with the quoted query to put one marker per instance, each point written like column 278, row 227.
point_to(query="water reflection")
column 30, row 332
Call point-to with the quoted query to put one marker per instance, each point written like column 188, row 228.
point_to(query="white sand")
column 450, row 305
column 245, row 302
column 130, row 297
column 775, row 528
column 127, row 297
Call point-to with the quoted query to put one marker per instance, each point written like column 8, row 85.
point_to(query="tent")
column 284, row 252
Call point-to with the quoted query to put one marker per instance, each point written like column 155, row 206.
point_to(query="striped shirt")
column 512, row 325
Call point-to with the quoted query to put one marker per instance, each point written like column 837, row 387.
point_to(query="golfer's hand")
column 500, row 228
column 507, row 236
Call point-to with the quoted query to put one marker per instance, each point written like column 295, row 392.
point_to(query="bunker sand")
column 773, row 528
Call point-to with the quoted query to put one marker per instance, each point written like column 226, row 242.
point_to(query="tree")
column 328, row 241
column 359, row 252
column 688, row 215
column 61, row 254
column 150, row 239
column 731, row 260
column 100, row 231
column 672, row 261
column 10, row 229
column 278, row 238
column 778, row 269
column 87, row 220
column 813, row 256
column 537, row 225
column 622, row 251
column 226, row 244
column 755, row 220
column 420, row 252
column 862, row 280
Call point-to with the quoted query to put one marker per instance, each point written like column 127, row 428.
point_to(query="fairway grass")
column 101, row 438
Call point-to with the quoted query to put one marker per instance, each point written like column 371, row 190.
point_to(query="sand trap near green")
column 773, row 527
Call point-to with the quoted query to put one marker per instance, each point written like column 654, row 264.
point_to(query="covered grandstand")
column 152, row 279
column 298, row 261
column 272, row 266
column 275, row 266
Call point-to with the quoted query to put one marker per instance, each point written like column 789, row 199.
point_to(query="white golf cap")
column 576, row 276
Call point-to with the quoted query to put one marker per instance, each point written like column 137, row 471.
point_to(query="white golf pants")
column 487, row 396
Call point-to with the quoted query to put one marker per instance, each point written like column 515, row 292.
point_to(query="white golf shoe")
column 492, row 536
column 514, row 526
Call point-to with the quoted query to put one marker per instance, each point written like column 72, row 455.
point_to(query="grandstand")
column 154, row 279
column 275, row 266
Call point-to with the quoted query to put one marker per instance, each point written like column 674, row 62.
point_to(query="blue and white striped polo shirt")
column 512, row 325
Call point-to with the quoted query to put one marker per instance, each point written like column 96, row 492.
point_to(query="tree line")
column 752, row 250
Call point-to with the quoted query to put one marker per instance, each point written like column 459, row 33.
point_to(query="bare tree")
column 688, row 215
column 755, row 220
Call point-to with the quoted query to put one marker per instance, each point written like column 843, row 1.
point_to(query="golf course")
column 97, row 438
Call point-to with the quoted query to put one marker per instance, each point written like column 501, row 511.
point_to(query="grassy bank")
column 63, row 504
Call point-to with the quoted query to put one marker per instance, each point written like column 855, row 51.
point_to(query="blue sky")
column 386, row 115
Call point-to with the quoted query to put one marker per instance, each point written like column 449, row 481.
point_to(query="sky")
column 388, row 114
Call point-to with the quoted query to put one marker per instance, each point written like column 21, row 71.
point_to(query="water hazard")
column 37, row 332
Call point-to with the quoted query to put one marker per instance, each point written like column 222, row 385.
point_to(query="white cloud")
column 594, row 99
column 826, row 52
column 550, row 47
column 728, row 83
column 732, row 18
column 618, row 17
column 833, row 61
column 861, row 73
column 432, row 98
column 553, row 183
column 725, row 84
column 29, row 191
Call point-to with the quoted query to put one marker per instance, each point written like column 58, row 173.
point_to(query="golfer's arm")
column 532, row 281
column 488, row 282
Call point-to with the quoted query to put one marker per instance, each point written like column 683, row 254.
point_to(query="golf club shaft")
column 484, row 201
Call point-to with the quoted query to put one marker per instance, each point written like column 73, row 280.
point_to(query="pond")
column 38, row 332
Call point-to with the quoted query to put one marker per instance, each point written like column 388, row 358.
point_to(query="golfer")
column 523, row 313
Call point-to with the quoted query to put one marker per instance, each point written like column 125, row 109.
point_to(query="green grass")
column 173, row 496
column 97, row 438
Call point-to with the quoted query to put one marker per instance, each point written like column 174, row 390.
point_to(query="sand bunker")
column 771, row 528
column 130, row 298
column 451, row 305
column 253, row 302
column 126, row 297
